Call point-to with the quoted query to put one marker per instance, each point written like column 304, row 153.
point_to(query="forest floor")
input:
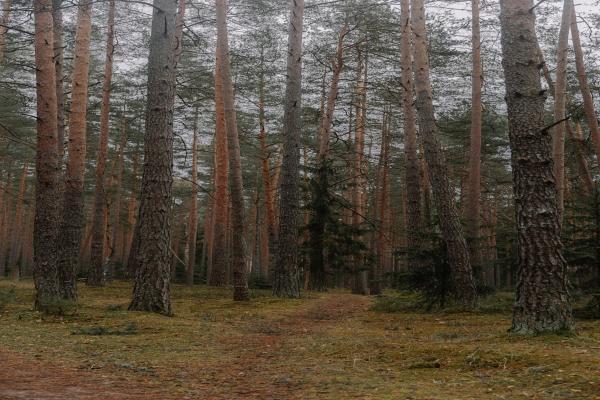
column 324, row 346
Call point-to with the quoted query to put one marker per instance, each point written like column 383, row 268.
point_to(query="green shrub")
column 57, row 306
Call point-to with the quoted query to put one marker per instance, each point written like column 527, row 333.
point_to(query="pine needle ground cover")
column 324, row 346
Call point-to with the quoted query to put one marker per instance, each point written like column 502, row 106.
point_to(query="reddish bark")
column 240, row 280
column 588, row 100
column 4, row 20
column 96, row 270
column 217, row 274
column 17, row 227
column 473, row 203
column 193, row 215
column 73, row 207
column 47, row 196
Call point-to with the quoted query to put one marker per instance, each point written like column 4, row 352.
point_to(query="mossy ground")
column 324, row 346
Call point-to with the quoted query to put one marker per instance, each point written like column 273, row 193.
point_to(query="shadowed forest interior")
column 299, row 199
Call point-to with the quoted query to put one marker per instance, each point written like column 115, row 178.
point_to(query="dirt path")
column 263, row 371
column 258, row 373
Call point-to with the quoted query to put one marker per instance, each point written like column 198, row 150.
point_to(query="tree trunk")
column 4, row 20
column 413, row 187
column 116, row 236
column 45, row 273
column 580, row 151
column 425, row 185
column 463, row 286
column 588, row 100
column 542, row 298
column 359, row 274
column 240, row 278
column 57, row 28
column 266, row 175
column 5, row 231
column 327, row 118
column 218, row 253
column 27, row 241
column 73, row 208
column 209, row 230
column 17, row 228
column 152, row 256
column 286, row 279
column 3, row 192
column 473, row 203
column 131, row 218
column 179, row 23
column 382, row 210
column 96, row 268
column 317, row 273
column 253, row 230
column 193, row 217
column 560, row 97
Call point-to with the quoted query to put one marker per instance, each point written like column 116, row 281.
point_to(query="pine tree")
column 456, row 246
column 542, row 299
column 240, row 279
column 286, row 281
column 45, row 272
column 96, row 270
column 73, row 218
column 152, row 255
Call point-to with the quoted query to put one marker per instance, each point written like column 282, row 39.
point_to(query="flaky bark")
column 153, row 253
column 317, row 275
column 27, row 242
column 473, row 203
column 327, row 118
column 208, row 245
column 3, row 193
column 542, row 299
column 57, row 28
column 268, row 197
column 588, row 100
column 5, row 228
column 359, row 275
column 560, row 97
column 238, row 259
column 179, row 23
column 193, row 215
column 4, row 21
column 382, row 211
column 96, row 270
column 286, row 280
column 131, row 217
column 17, row 228
column 413, row 187
column 116, row 236
column 218, row 252
column 46, row 197
column 463, row 286
column 73, row 218
column 580, row 152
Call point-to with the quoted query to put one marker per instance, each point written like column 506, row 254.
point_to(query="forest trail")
column 257, row 373
column 330, row 345
column 261, row 372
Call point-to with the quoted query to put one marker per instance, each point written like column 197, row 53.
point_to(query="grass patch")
column 397, row 302
column 129, row 329
column 324, row 346
column 7, row 296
